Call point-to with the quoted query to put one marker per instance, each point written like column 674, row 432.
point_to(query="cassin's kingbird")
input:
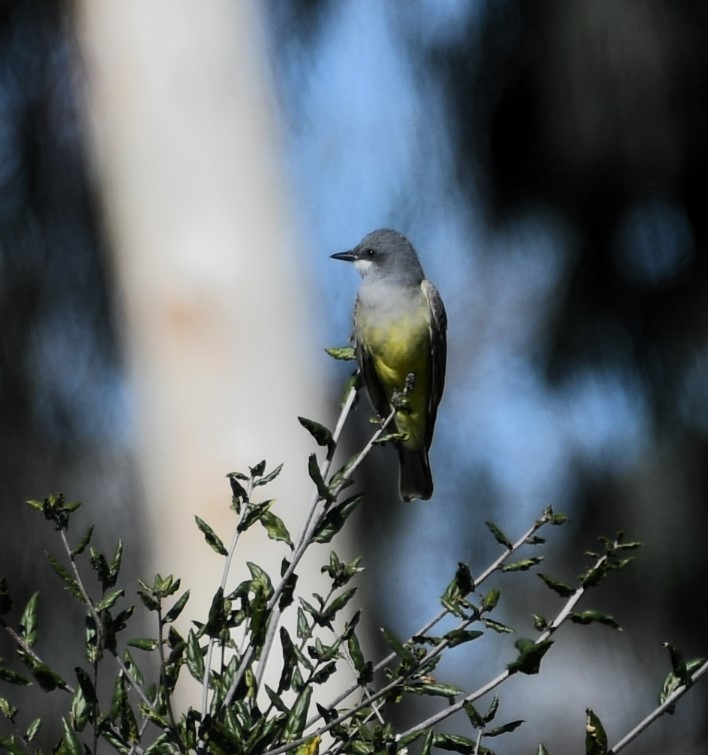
column 400, row 328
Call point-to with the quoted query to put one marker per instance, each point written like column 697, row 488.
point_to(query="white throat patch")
column 363, row 267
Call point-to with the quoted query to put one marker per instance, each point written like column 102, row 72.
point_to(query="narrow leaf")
column 313, row 470
column 28, row 621
column 334, row 518
column 397, row 646
column 177, row 608
column 562, row 589
column 109, row 600
column 320, row 433
column 344, row 353
column 81, row 545
column 295, row 724
column 71, row 584
column 589, row 617
column 195, row 658
column 523, row 565
column 265, row 479
column 275, row 528
column 211, row 537
column 530, row 656
column 504, row 729
column 499, row 536
column 595, row 736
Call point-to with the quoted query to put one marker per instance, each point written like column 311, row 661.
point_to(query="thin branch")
column 303, row 543
column 496, row 564
column 561, row 617
column 659, row 711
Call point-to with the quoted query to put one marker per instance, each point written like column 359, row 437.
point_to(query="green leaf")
column 674, row 682
column 589, row 617
column 562, row 589
column 397, row 646
column 100, row 566
column 258, row 469
column 80, row 710
column 321, row 434
column 303, row 625
column 338, row 603
column 33, row 729
column 288, row 592
column 343, row 353
column 265, row 479
column 146, row 643
column 556, row 519
column 237, row 490
column 475, row 719
column 276, row 700
column 7, row 710
column 595, row 737
column 12, row 677
column 323, row 490
column 28, row 621
column 427, row 745
column 541, row 750
column 128, row 726
column 81, row 546
column 321, row 676
column 432, row 689
column 275, row 528
column 311, row 747
column 195, row 658
column 460, row 636
column 463, row 579
column 253, row 513
column 114, row 569
column 457, row 743
column 217, row 615
column 109, row 600
column 390, row 438
column 497, row 626
column 504, row 729
column 490, row 600
column 524, row 564
column 69, row 743
column 86, row 685
column 499, row 536
column 492, row 711
column 364, row 669
column 530, row 655
column 678, row 664
column 290, row 658
column 295, row 723
column 260, row 579
column 47, row 679
column 334, row 518
column 71, row 584
column 177, row 608
column 211, row 537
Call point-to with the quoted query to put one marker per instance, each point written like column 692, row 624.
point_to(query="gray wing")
column 438, row 352
column 377, row 395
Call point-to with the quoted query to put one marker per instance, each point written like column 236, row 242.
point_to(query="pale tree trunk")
column 212, row 276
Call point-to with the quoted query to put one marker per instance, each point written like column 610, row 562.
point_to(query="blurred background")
column 173, row 181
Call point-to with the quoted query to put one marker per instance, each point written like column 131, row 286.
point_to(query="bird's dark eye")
column 369, row 253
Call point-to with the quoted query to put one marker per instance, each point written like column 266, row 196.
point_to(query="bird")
column 400, row 330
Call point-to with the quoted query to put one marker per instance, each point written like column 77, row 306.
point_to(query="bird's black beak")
column 346, row 256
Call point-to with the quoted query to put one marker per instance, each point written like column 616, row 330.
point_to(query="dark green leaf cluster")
column 122, row 689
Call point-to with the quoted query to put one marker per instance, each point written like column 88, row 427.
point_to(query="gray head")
column 385, row 254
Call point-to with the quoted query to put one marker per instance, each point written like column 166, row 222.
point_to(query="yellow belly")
column 400, row 347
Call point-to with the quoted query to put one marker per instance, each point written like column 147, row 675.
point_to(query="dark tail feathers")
column 416, row 480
